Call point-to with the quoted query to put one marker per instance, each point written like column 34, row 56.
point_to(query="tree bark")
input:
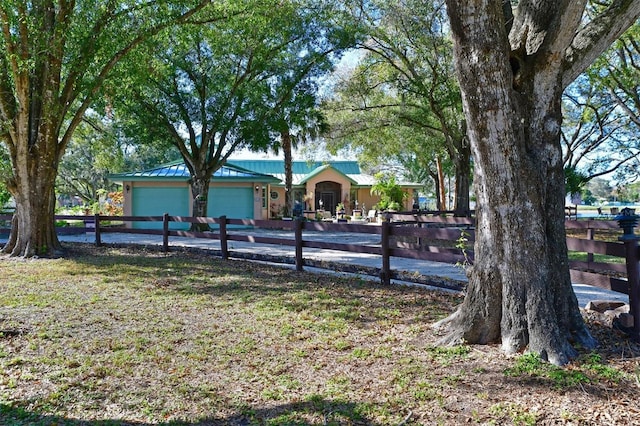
column 519, row 291
column 32, row 187
column 441, row 191
column 200, row 193
column 288, row 172
column 462, row 163
column 433, row 174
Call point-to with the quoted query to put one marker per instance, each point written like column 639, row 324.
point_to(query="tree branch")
column 106, row 69
column 596, row 37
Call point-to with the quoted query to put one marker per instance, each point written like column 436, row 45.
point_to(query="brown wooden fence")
column 608, row 275
column 425, row 237
column 437, row 229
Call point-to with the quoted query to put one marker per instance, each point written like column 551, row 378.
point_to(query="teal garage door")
column 233, row 202
column 158, row 201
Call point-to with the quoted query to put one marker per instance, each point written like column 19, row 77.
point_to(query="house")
column 233, row 191
column 252, row 189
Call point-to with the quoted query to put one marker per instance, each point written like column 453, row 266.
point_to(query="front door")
column 329, row 193
column 328, row 200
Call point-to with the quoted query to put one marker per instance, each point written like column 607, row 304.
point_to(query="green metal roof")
column 178, row 171
column 321, row 169
column 271, row 167
column 257, row 171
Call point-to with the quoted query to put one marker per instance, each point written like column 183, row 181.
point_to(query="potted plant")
column 340, row 210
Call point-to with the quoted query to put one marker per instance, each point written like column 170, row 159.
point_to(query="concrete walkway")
column 437, row 270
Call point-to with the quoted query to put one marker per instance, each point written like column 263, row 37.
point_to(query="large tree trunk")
column 32, row 187
column 462, row 163
column 519, row 290
column 32, row 116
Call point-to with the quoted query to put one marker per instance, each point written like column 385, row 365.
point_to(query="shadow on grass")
column 192, row 271
column 183, row 262
column 326, row 412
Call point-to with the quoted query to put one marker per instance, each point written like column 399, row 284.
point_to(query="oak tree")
column 368, row 115
column 404, row 87
column 513, row 60
column 54, row 58
column 90, row 156
column 602, row 114
column 213, row 90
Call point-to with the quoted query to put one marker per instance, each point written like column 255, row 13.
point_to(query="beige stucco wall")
column 275, row 200
column 364, row 196
column 258, row 212
column 330, row 175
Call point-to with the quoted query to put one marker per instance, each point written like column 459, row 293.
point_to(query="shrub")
column 389, row 192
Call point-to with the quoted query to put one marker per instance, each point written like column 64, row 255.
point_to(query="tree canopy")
column 402, row 101
column 91, row 155
column 211, row 90
column 602, row 114
column 54, row 58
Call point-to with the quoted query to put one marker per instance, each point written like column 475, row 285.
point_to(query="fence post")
column 96, row 221
column 165, row 232
column 224, row 246
column 385, row 273
column 298, row 233
column 590, row 236
column 627, row 220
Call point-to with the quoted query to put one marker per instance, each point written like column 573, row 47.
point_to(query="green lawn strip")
column 599, row 258
column 134, row 335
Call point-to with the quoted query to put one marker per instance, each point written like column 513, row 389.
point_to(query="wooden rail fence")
column 402, row 235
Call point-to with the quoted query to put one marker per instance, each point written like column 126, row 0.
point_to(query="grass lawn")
column 133, row 336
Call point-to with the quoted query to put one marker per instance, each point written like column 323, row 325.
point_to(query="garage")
column 156, row 201
column 233, row 202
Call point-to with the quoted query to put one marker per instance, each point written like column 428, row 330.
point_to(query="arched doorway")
column 329, row 192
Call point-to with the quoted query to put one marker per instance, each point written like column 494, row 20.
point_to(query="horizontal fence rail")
column 432, row 237
column 608, row 275
column 410, row 231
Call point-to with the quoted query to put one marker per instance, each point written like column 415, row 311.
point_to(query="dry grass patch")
column 133, row 336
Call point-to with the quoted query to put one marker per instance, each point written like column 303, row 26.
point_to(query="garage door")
column 158, row 201
column 235, row 203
